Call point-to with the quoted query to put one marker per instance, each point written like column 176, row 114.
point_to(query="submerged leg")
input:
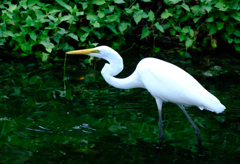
column 159, row 105
column 197, row 131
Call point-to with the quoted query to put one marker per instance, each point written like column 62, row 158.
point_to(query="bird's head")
column 115, row 64
column 104, row 52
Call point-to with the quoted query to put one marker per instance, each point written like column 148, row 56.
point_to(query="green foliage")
column 193, row 22
column 42, row 27
column 30, row 26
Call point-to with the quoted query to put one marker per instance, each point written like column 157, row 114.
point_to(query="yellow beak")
column 83, row 52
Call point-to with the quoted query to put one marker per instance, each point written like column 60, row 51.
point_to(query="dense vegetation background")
column 41, row 28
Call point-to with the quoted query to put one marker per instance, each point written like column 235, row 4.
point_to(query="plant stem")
column 64, row 70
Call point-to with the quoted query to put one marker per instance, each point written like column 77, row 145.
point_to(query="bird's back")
column 170, row 83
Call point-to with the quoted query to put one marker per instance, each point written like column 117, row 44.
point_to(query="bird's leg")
column 160, row 129
column 197, row 131
column 159, row 104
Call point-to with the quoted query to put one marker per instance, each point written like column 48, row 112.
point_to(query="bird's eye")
column 96, row 51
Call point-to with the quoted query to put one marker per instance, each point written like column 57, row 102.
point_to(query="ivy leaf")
column 33, row 80
column 54, row 19
column 151, row 15
column 210, row 19
column 57, row 38
column 8, row 33
column 86, row 29
column 11, row 7
column 62, row 31
column 188, row 42
column 177, row 28
column 23, row 3
column 48, row 45
column 196, row 9
column 66, row 6
column 28, row 46
column 84, row 37
column 72, row 35
column 145, row 32
column 185, row 6
column 237, row 47
column 182, row 36
column 159, row 27
column 65, row 47
column 184, row 17
column 137, row 16
column 207, row 8
column 91, row 17
column 220, row 25
column 195, row 19
column 39, row 14
column 172, row 31
column 33, row 36
column 128, row 11
column 235, row 16
column 144, row 15
column 235, row 5
column 169, row 2
column 119, row 1
column 31, row 3
column 95, row 24
column 221, row 6
column 65, row 18
column 213, row 29
column 112, row 27
column 79, row 13
column 178, row 13
column 45, row 56
column 111, row 7
column 113, row 17
column 29, row 20
column 230, row 40
column 166, row 14
column 98, row 2
column 224, row 17
column 237, row 40
column 75, row 9
column 191, row 32
column 84, row 5
column 122, row 27
column 52, row 12
column 101, row 14
column 185, row 29
column 237, row 33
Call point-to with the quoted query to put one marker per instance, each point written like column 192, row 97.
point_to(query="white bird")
column 165, row 82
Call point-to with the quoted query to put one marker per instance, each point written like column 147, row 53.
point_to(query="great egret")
column 165, row 82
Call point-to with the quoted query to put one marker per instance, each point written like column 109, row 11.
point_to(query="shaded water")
column 96, row 123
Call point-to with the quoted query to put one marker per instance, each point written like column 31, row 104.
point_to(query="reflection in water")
column 42, row 129
column 85, row 128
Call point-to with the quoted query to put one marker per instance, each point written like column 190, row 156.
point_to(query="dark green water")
column 96, row 123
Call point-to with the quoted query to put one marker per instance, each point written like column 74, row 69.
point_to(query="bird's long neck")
column 113, row 68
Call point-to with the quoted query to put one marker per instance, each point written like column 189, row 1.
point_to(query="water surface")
column 96, row 123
